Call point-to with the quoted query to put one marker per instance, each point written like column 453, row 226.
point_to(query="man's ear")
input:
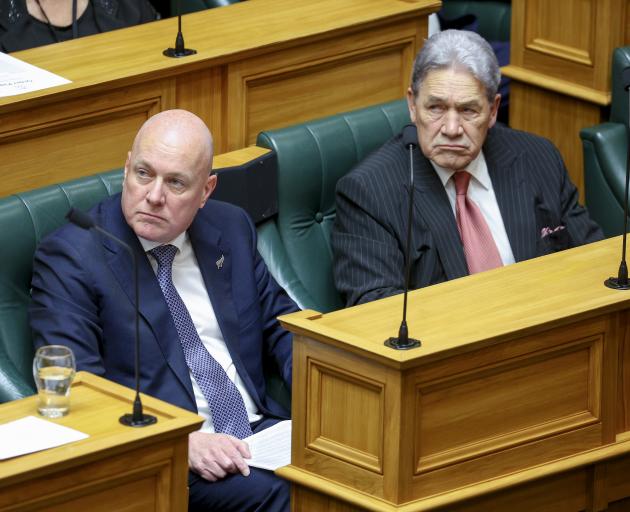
column 411, row 104
column 208, row 188
column 494, row 110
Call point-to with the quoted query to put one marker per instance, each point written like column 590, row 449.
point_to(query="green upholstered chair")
column 188, row 6
column 493, row 16
column 24, row 220
column 605, row 151
column 311, row 158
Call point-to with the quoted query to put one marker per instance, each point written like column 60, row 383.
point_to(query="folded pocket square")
column 547, row 231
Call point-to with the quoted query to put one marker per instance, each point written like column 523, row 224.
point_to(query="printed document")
column 19, row 77
column 271, row 448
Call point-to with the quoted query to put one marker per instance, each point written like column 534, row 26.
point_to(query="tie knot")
column 462, row 179
column 164, row 254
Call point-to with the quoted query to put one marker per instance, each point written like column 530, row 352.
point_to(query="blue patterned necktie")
column 229, row 415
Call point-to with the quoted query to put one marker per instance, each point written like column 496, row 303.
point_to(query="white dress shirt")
column 192, row 289
column 481, row 192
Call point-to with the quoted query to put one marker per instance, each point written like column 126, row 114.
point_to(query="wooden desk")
column 116, row 468
column 518, row 399
column 261, row 64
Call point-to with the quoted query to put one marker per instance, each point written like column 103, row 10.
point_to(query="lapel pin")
column 219, row 262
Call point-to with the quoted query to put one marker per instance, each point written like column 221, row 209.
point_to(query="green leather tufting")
column 311, row 158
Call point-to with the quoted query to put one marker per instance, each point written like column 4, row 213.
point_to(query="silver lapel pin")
column 219, row 262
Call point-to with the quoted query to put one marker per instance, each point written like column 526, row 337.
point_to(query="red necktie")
column 479, row 248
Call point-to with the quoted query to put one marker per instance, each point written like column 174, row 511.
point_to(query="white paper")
column 31, row 434
column 271, row 448
column 19, row 77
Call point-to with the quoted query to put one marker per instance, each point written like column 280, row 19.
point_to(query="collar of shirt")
column 477, row 168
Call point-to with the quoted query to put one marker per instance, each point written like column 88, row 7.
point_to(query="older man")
column 208, row 306
column 484, row 195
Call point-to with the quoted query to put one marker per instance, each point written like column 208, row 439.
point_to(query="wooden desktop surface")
column 457, row 315
column 116, row 468
column 260, row 64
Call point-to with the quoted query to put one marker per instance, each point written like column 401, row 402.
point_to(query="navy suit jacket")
column 83, row 297
column 533, row 192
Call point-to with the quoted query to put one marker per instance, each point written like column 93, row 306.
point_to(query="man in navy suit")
column 484, row 195
column 83, row 297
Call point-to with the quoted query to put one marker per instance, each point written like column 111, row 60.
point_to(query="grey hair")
column 458, row 49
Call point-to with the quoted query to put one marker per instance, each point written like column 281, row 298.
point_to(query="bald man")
column 208, row 307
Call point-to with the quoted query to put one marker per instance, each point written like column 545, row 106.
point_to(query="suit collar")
column 514, row 194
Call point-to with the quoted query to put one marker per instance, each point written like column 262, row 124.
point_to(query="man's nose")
column 452, row 126
column 155, row 193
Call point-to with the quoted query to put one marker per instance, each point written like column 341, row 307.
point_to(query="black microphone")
column 138, row 418
column 403, row 341
column 621, row 281
column 180, row 49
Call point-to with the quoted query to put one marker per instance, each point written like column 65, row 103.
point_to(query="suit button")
column 319, row 216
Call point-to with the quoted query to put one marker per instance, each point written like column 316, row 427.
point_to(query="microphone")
column 403, row 341
column 180, row 49
column 137, row 418
column 621, row 281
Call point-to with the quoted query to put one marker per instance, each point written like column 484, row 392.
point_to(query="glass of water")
column 53, row 370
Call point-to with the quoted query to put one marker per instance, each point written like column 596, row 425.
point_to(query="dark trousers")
column 261, row 491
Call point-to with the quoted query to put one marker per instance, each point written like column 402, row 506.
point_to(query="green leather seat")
column 24, row 220
column 605, row 151
column 311, row 158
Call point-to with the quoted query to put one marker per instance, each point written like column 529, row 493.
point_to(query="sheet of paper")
column 271, row 448
column 31, row 434
column 19, row 77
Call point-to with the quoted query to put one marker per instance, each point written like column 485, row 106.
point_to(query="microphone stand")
column 621, row 282
column 180, row 49
column 403, row 341
column 137, row 418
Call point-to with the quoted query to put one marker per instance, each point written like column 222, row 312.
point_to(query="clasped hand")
column 214, row 456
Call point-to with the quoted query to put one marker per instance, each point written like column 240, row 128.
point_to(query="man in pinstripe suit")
column 519, row 182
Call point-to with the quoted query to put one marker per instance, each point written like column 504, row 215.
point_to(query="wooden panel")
column 58, row 142
column 352, row 424
column 498, row 406
column 201, row 92
column 564, row 493
column 346, row 416
column 303, row 499
column 576, row 50
column 294, row 86
column 557, row 117
column 573, row 39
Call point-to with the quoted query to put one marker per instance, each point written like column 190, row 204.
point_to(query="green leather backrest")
column 311, row 158
column 493, row 16
column 24, row 220
column 619, row 105
column 188, row 6
column 605, row 149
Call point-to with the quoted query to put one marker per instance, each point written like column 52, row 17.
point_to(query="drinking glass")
column 53, row 370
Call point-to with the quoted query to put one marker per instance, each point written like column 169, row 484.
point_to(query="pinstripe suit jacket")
column 532, row 189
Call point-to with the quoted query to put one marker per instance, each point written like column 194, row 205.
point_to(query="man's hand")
column 214, row 456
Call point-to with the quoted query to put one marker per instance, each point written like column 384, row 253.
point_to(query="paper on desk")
column 31, row 434
column 271, row 448
column 19, row 77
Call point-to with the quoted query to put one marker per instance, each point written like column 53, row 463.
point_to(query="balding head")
column 167, row 175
